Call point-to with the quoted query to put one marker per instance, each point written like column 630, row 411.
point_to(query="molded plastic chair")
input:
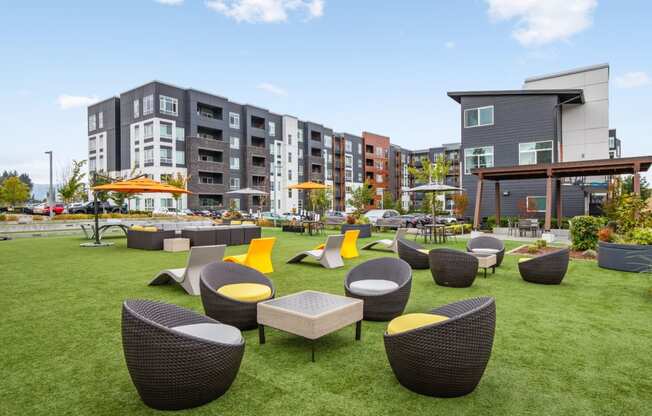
column 329, row 256
column 388, row 244
column 349, row 248
column 188, row 277
column 259, row 255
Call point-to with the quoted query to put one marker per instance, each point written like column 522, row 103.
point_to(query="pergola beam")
column 548, row 222
column 478, row 203
column 497, row 200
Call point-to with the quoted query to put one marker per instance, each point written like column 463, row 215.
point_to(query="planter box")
column 625, row 257
column 292, row 228
column 365, row 229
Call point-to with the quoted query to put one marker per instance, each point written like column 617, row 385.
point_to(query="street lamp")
column 51, row 191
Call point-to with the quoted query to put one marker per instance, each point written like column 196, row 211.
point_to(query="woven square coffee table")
column 486, row 261
column 310, row 314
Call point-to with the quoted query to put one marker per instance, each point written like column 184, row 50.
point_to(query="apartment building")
column 553, row 118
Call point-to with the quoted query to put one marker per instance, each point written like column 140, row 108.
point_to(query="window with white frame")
column 136, row 132
column 348, row 161
column 136, row 163
column 360, row 148
column 300, row 153
column 536, row 203
column 234, row 120
column 166, row 155
column 149, row 156
column 148, row 104
column 299, row 135
column 481, row 116
column 100, row 119
column 92, row 120
column 535, row 152
column 167, row 203
column 379, row 151
column 136, row 108
column 328, row 141
column 478, row 157
column 272, row 128
column 234, row 143
column 149, row 204
column 181, row 134
column 300, row 169
column 234, row 163
column 148, row 130
column 234, row 183
column 348, row 175
column 92, row 144
column 348, row 146
column 168, row 105
column 92, row 164
column 166, row 130
column 180, row 157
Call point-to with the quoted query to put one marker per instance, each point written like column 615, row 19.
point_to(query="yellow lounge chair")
column 259, row 255
column 349, row 249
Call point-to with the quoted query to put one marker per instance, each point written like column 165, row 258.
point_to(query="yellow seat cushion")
column 411, row 321
column 524, row 259
column 238, row 258
column 137, row 227
column 423, row 250
column 236, row 222
column 246, row 292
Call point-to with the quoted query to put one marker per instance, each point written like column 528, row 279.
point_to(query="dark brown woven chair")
column 488, row 242
column 227, row 310
column 548, row 269
column 452, row 268
column 446, row 359
column 409, row 251
column 386, row 306
column 148, row 240
column 172, row 370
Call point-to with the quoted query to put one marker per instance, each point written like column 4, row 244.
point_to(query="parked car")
column 375, row 214
column 392, row 219
column 291, row 217
column 447, row 220
column 87, row 208
column 169, row 211
column 38, row 208
column 58, row 209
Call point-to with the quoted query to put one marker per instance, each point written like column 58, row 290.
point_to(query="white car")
column 374, row 215
column 169, row 211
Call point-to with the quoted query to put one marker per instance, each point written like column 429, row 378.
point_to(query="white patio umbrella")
column 435, row 188
column 248, row 191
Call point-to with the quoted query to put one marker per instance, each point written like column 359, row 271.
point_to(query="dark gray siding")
column 110, row 110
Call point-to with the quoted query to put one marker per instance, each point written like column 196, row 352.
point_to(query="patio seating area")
column 578, row 347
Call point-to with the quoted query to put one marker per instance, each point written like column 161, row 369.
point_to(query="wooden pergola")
column 554, row 172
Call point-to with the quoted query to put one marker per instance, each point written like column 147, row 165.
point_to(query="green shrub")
column 584, row 232
column 641, row 236
column 3, row 217
column 532, row 249
column 541, row 243
column 467, row 228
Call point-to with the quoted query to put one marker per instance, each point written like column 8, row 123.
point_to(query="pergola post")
column 636, row 180
column 478, row 203
column 548, row 222
column 497, row 197
column 560, row 213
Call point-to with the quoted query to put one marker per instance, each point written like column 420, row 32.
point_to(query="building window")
column 180, row 157
column 359, row 163
column 379, row 178
column 289, row 139
column 360, row 148
column 235, row 143
column 148, row 130
column 478, row 157
column 299, row 135
column 136, row 158
column 348, row 175
column 235, row 203
column 234, row 183
column 348, row 161
column 149, row 204
column 235, row 163
column 534, row 153
column 149, row 156
column 536, row 203
column 348, row 146
column 300, row 153
column 136, row 132
column 167, row 203
column 181, row 134
column 91, row 164
column 289, row 193
column 379, row 151
column 92, row 144
column 482, row 116
column 168, row 105
column 100, row 120
column 136, row 108
column 289, row 174
column 272, row 128
column 166, row 130
column 328, row 141
column 148, row 105
column 289, row 157
column 300, row 169
column 166, row 155
column 234, row 120
column 91, row 122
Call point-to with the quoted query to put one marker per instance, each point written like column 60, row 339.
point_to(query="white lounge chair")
column 329, row 257
column 188, row 277
column 388, row 244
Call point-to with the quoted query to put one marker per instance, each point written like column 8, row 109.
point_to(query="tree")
column 24, row 178
column 628, row 187
column 97, row 179
column 431, row 172
column 320, row 199
column 14, row 191
column 461, row 202
column 388, row 201
column 72, row 186
column 178, row 181
column 360, row 197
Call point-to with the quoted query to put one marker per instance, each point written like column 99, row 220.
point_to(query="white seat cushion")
column 385, row 242
column 224, row 334
column 315, row 253
column 372, row 287
column 484, row 250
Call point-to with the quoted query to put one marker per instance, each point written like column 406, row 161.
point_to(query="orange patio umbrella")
column 308, row 186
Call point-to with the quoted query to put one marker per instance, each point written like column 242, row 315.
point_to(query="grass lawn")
column 581, row 348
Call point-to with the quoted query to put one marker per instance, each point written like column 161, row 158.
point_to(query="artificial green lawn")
column 581, row 348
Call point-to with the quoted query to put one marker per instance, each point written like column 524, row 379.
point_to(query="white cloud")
column 633, row 80
column 170, row 2
column 267, row 11
column 539, row 22
column 272, row 89
column 449, row 45
column 75, row 101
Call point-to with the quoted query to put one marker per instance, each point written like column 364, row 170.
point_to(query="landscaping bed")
column 574, row 254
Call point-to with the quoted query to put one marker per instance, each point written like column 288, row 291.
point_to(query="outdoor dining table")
column 310, row 225
column 436, row 233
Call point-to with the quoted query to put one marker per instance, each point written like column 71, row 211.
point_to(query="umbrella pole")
column 97, row 219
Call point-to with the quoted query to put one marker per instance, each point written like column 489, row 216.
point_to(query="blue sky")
column 381, row 66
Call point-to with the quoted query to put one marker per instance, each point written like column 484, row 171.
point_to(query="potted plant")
column 357, row 221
